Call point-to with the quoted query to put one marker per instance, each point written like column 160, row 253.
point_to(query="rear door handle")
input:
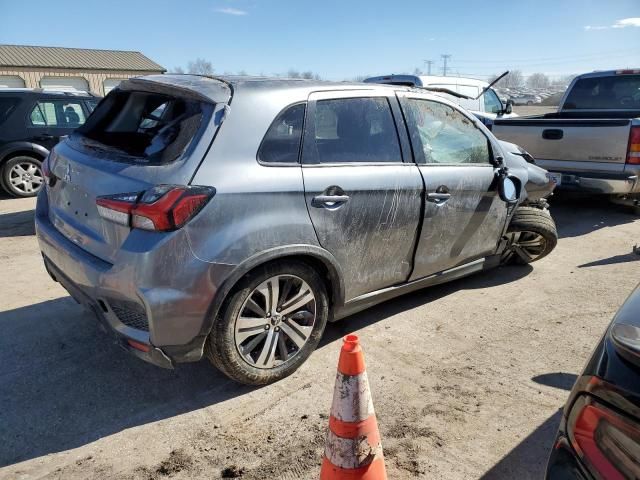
column 329, row 200
column 44, row 136
column 438, row 197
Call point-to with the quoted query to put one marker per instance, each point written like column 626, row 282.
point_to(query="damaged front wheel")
column 531, row 236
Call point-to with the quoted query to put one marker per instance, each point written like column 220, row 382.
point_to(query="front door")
column 464, row 216
column 364, row 201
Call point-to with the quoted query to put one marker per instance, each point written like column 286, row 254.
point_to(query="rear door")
column 363, row 199
column 53, row 118
column 463, row 216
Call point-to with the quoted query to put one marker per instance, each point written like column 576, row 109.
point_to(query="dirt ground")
column 467, row 378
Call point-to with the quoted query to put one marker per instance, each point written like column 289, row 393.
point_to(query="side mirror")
column 508, row 109
column 509, row 189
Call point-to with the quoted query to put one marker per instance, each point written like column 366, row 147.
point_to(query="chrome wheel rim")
column 275, row 321
column 26, row 177
column 526, row 245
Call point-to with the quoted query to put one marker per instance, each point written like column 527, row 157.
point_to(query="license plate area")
column 557, row 177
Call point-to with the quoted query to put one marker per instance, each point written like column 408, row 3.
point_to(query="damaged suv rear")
column 233, row 218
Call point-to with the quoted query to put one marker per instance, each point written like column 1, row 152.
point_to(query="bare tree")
column 538, row 80
column 292, row 73
column 177, row 70
column 242, row 73
column 200, row 66
column 308, row 75
column 513, row 80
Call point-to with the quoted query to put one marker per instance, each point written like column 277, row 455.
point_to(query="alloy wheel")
column 524, row 244
column 26, row 177
column 275, row 321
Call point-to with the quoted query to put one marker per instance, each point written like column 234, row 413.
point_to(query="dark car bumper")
column 564, row 463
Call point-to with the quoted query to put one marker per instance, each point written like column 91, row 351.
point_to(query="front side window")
column 57, row 113
column 354, row 130
column 444, row 135
column 281, row 144
column 492, row 103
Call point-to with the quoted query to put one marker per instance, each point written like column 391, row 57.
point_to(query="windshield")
column 620, row 92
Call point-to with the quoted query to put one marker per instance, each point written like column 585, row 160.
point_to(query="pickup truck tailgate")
column 601, row 142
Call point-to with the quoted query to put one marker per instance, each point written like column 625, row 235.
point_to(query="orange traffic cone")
column 353, row 450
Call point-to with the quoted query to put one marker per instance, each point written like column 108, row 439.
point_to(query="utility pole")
column 445, row 58
column 428, row 63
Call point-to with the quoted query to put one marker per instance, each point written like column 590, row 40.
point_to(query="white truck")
column 477, row 96
column 592, row 143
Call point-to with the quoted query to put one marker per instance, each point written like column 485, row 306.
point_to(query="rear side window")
column 7, row 106
column 601, row 93
column 57, row 113
column 444, row 134
column 353, row 130
column 151, row 127
column 281, row 144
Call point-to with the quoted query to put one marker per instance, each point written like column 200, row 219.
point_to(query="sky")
column 343, row 39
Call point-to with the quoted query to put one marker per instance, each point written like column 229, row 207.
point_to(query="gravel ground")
column 467, row 378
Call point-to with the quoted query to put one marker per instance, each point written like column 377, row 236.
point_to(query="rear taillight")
column 162, row 208
column 607, row 442
column 633, row 152
column 46, row 171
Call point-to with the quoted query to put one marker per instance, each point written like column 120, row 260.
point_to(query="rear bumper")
column 600, row 183
column 110, row 323
column 564, row 463
column 139, row 298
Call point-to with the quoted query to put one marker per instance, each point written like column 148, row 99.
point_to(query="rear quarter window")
column 281, row 144
column 7, row 106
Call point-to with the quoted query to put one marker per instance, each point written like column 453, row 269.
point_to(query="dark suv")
column 32, row 121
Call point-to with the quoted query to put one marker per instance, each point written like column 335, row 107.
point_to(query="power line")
column 579, row 57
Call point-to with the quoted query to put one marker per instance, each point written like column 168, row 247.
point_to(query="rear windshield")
column 143, row 126
column 621, row 92
column 7, row 105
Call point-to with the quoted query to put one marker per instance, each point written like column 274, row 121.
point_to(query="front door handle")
column 438, row 197
column 329, row 200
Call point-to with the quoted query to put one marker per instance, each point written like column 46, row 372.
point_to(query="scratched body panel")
column 372, row 235
column 465, row 227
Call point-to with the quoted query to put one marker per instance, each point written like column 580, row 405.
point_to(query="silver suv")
column 233, row 218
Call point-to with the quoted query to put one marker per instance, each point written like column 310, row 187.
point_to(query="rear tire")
column 22, row 176
column 532, row 235
column 255, row 345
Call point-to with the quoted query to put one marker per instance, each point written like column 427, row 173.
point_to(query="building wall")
column 95, row 78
